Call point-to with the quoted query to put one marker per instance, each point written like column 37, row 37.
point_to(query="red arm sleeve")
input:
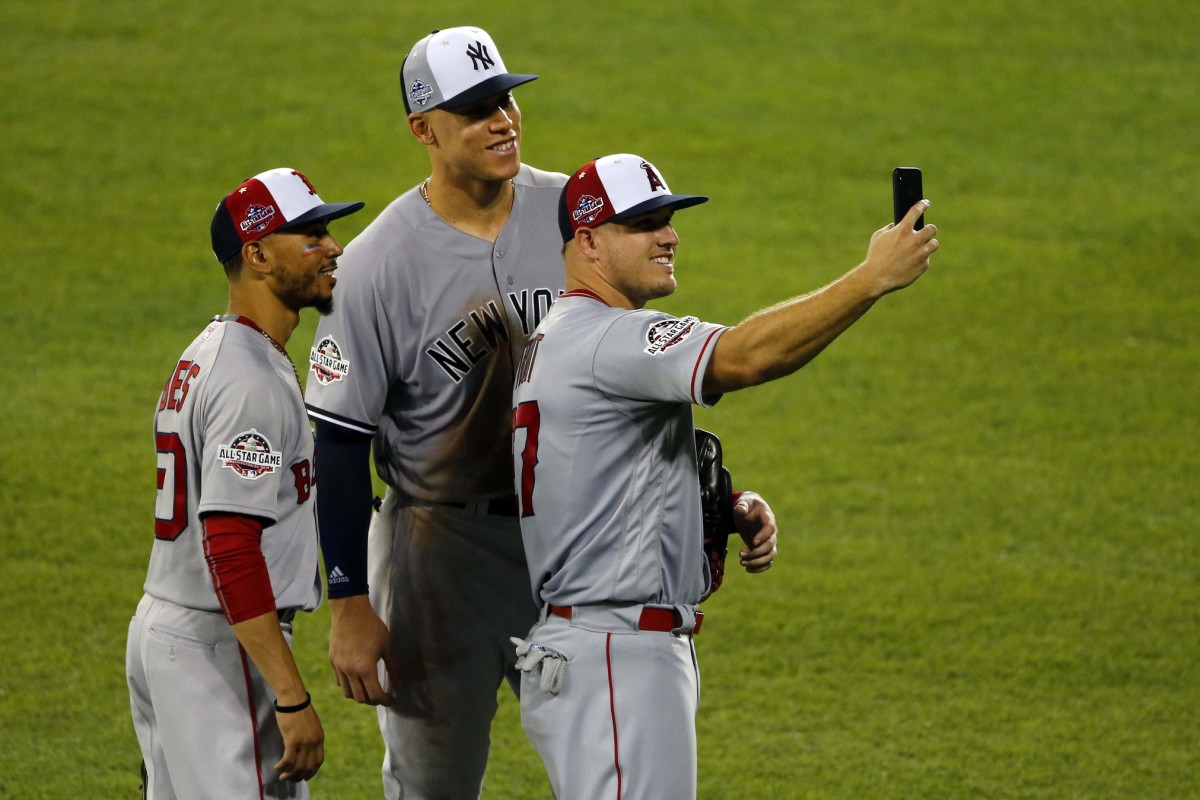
column 233, row 550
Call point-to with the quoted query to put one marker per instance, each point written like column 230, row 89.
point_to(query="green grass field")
column 989, row 577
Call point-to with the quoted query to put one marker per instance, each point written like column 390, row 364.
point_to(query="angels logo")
column 668, row 333
column 587, row 208
column 250, row 455
column 420, row 93
column 326, row 362
column 258, row 217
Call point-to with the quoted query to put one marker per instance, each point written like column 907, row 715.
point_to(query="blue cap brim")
column 485, row 89
column 325, row 211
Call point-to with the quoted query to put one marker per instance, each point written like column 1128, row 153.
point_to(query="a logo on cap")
column 652, row 176
column 480, row 56
column 258, row 217
column 327, row 363
column 587, row 209
column 250, row 455
column 420, row 93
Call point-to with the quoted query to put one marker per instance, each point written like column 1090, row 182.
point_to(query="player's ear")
column 254, row 256
column 418, row 123
column 588, row 243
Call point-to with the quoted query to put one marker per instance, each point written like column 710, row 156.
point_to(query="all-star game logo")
column 420, row 93
column 258, row 217
column 668, row 333
column 587, row 208
column 250, row 455
column 326, row 362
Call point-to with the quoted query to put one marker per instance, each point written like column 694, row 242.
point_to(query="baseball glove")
column 716, row 502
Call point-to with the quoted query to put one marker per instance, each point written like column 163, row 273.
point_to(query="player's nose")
column 332, row 248
column 503, row 120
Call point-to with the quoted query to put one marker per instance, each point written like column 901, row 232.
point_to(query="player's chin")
column 324, row 305
column 506, row 164
column 666, row 286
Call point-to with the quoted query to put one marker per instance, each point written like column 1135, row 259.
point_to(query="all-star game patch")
column 326, row 362
column 258, row 217
column 668, row 333
column 250, row 455
column 587, row 209
column 420, row 92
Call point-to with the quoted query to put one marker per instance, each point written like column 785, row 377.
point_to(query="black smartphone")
column 906, row 192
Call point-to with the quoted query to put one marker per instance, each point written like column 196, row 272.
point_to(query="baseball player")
column 605, row 472
column 219, row 707
column 436, row 300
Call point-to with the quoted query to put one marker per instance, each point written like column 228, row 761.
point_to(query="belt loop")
column 685, row 620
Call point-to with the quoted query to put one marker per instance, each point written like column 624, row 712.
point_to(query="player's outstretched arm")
column 358, row 640
column 755, row 522
column 303, row 737
column 779, row 340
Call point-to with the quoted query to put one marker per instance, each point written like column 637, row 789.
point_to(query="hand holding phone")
column 906, row 192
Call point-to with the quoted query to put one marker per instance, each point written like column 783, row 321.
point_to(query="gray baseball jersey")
column 232, row 436
column 420, row 351
column 604, row 454
column 421, row 347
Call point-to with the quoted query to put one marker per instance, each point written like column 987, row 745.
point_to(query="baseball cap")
column 455, row 67
column 270, row 201
column 615, row 188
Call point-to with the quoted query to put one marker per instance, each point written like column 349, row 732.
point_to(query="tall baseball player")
column 219, row 707
column 436, row 299
column 605, row 471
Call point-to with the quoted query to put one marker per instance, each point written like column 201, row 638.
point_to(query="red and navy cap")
column 268, row 202
column 453, row 68
column 615, row 188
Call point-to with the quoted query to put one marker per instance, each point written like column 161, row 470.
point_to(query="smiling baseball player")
column 436, row 300
column 604, row 457
column 219, row 707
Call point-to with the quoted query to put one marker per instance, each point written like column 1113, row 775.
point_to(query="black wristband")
column 293, row 709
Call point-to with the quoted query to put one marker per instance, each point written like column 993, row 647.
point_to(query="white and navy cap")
column 615, row 188
column 268, row 202
column 455, row 67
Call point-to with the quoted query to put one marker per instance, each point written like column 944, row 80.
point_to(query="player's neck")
column 608, row 293
column 477, row 207
column 275, row 319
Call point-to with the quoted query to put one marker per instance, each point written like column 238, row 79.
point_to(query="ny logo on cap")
column 655, row 181
column 479, row 56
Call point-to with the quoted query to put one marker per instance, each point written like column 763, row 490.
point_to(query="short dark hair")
column 233, row 264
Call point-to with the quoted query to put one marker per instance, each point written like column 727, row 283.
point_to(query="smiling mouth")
column 503, row 147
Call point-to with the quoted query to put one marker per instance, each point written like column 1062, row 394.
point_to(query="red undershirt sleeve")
column 233, row 550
